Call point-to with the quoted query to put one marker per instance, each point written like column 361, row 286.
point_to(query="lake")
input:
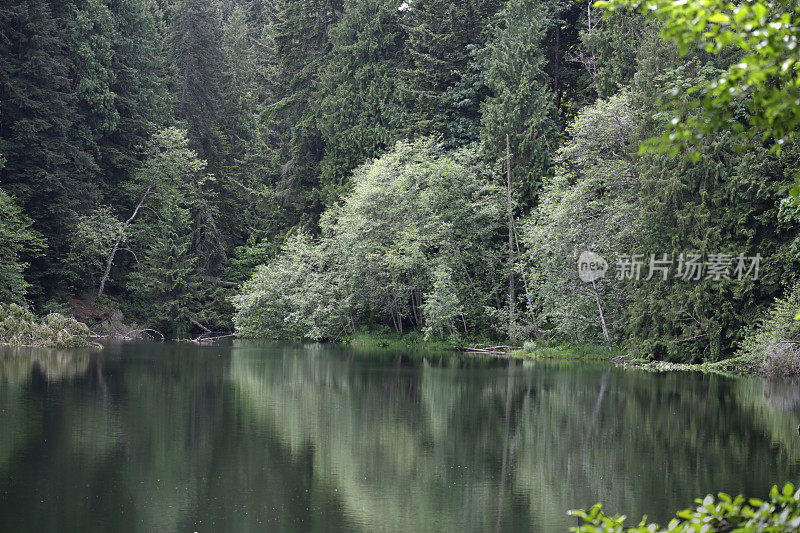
column 251, row 436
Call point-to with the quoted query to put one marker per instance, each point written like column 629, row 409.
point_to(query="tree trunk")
column 511, row 295
column 119, row 240
column 185, row 81
column 602, row 317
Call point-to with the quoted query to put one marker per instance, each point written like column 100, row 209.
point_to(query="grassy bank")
column 734, row 366
column 550, row 350
column 737, row 365
column 530, row 349
column 391, row 339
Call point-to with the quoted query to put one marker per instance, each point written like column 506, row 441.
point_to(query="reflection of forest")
column 174, row 437
column 17, row 366
column 424, row 449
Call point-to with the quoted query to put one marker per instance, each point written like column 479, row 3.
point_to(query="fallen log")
column 216, row 281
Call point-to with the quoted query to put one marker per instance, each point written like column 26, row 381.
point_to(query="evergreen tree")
column 523, row 103
column 57, row 105
column 295, row 48
column 194, row 37
column 17, row 240
column 441, row 83
column 141, row 88
column 608, row 49
column 166, row 283
column 240, row 131
column 360, row 110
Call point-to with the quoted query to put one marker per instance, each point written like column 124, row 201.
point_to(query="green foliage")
column 91, row 243
column 772, row 344
column 193, row 38
column 17, row 242
column 295, row 47
column 282, row 123
column 522, row 104
column 360, row 111
column 441, row 307
column 781, row 512
column 416, row 217
column 171, row 236
column 765, row 79
column 292, row 296
column 609, row 46
column 441, row 83
column 590, row 204
column 19, row 327
column 413, row 210
column 607, row 199
column 166, row 282
column 140, row 88
column 246, row 258
column 81, row 84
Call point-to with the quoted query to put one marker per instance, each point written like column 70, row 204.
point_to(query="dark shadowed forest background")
column 319, row 168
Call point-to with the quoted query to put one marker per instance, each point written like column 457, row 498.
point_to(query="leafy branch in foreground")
column 758, row 93
column 781, row 512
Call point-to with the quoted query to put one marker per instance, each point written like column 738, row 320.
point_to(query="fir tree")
column 56, row 102
column 140, row 84
column 441, row 37
column 523, row 103
column 295, row 47
column 194, row 36
column 166, row 282
column 17, row 241
column 360, row 111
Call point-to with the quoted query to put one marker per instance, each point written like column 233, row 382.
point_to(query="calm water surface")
column 278, row 437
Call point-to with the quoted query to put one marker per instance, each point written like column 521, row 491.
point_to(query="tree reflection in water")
column 251, row 436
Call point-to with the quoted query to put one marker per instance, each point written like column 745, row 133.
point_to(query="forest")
column 318, row 169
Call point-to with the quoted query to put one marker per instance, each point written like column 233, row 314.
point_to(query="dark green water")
column 277, row 437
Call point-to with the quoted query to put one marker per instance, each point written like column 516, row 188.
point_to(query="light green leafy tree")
column 590, row 204
column 765, row 78
column 441, row 308
column 18, row 241
column 414, row 213
column 91, row 242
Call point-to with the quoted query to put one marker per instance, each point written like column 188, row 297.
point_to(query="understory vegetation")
column 19, row 327
column 326, row 169
column 780, row 512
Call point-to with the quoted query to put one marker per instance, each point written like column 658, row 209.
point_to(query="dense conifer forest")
column 320, row 168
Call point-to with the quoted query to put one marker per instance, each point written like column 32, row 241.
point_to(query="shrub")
column 781, row 512
column 774, row 344
column 20, row 327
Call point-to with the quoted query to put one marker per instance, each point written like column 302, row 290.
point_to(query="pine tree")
column 166, row 282
column 295, row 47
column 442, row 36
column 523, row 103
column 360, row 110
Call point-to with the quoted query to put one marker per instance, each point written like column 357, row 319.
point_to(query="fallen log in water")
column 487, row 349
